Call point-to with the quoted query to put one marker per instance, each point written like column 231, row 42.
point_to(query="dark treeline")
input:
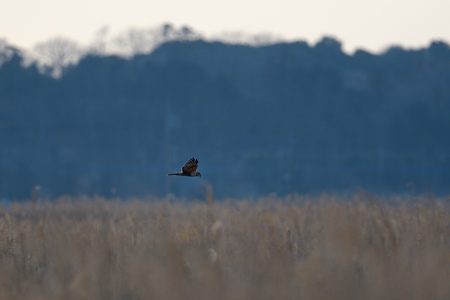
column 288, row 117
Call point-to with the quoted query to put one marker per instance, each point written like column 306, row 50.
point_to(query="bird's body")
column 189, row 169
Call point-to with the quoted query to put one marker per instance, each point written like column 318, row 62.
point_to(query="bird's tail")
column 177, row 174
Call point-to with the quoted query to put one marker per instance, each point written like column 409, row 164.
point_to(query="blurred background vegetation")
column 261, row 116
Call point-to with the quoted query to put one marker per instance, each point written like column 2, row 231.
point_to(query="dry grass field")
column 295, row 247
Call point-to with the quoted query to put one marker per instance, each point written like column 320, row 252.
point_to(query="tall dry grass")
column 291, row 248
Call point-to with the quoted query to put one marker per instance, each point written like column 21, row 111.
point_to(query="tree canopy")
column 286, row 117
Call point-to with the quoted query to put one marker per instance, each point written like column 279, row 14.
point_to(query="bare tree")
column 134, row 41
column 6, row 51
column 166, row 32
column 139, row 41
column 56, row 54
column 99, row 45
column 187, row 33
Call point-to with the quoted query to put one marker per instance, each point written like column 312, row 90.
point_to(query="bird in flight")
column 189, row 169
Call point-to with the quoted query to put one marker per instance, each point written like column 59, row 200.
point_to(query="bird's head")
column 198, row 174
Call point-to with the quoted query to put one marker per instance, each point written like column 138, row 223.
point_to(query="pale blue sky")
column 368, row 24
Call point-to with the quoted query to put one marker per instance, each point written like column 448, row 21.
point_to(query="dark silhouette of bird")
column 189, row 169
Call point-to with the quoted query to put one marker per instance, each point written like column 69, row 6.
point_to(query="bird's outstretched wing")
column 189, row 169
column 190, row 166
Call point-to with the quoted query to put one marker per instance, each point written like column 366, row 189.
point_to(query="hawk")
column 189, row 169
